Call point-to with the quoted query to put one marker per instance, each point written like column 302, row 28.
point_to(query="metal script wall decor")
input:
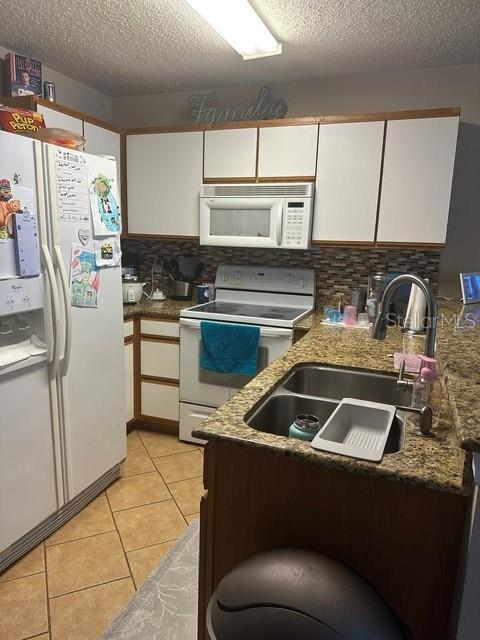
column 205, row 110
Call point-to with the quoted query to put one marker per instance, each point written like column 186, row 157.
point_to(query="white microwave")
column 274, row 216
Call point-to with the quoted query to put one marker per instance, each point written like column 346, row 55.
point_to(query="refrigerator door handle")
column 67, row 308
column 55, row 357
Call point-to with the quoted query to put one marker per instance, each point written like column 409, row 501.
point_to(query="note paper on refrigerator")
column 72, row 187
column 26, row 244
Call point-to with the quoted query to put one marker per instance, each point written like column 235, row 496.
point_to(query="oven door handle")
column 267, row 332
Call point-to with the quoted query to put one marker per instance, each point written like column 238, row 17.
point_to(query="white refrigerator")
column 62, row 412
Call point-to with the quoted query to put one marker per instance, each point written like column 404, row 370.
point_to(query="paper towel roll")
column 417, row 304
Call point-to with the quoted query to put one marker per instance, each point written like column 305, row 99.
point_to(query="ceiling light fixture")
column 240, row 25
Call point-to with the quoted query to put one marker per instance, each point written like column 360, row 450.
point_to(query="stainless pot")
column 181, row 290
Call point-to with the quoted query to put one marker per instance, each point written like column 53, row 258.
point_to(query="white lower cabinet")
column 159, row 370
column 163, row 328
column 128, row 328
column 129, row 381
column 159, row 359
column 160, row 400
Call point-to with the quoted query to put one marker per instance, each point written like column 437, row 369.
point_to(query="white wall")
column 388, row 91
column 73, row 94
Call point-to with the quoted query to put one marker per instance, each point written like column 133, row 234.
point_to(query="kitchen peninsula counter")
column 436, row 461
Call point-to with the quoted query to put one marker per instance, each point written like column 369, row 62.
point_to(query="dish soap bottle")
column 422, row 386
column 372, row 306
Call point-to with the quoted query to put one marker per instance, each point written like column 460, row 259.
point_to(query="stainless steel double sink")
column 317, row 390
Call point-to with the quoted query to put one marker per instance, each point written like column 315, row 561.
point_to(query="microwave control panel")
column 297, row 224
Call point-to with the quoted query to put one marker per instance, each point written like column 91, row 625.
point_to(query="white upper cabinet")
column 348, row 176
column 417, row 180
column 164, row 174
column 100, row 141
column 230, row 153
column 287, row 151
column 103, row 142
column 54, row 118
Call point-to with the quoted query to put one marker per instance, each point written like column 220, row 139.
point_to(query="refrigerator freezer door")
column 91, row 380
column 17, row 191
column 28, row 491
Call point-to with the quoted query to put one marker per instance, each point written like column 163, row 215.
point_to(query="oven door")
column 241, row 222
column 199, row 386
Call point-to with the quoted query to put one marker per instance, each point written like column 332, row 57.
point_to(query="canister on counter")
column 359, row 298
column 203, row 293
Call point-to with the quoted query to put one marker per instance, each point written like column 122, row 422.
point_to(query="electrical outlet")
column 157, row 265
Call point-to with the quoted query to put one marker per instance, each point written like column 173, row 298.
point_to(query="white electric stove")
column 273, row 298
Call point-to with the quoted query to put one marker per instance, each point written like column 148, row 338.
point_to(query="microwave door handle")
column 279, row 216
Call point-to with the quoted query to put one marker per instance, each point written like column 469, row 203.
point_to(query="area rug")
column 165, row 606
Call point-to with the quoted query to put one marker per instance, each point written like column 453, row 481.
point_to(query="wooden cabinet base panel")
column 404, row 540
column 131, row 425
column 158, row 425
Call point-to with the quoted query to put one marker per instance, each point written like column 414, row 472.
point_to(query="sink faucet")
column 379, row 331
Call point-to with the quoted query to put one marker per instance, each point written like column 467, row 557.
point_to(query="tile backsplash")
column 338, row 270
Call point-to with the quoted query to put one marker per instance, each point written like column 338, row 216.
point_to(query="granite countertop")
column 167, row 308
column 458, row 346
column 435, row 461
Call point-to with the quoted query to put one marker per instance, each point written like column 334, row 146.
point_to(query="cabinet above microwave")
column 274, row 216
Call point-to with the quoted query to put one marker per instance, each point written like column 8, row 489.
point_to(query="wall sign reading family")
column 206, row 111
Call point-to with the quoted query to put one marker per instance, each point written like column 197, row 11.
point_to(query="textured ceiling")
column 150, row 46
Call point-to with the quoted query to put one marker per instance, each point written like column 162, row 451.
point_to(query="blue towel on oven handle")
column 229, row 347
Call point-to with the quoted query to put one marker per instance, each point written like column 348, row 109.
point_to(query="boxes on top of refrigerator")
column 20, row 120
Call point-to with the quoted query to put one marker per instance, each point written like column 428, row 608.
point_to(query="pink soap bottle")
column 422, row 387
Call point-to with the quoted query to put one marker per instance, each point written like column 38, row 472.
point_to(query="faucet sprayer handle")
column 379, row 327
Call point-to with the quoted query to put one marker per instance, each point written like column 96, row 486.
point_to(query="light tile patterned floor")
column 72, row 586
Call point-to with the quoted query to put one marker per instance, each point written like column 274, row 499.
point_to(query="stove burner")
column 228, row 308
column 272, row 315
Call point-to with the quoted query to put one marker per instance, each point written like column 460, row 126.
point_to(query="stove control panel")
column 272, row 279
